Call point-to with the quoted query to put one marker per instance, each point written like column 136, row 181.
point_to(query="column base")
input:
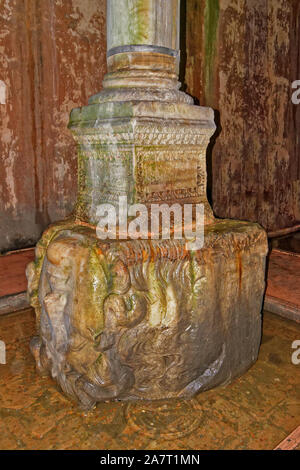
column 145, row 319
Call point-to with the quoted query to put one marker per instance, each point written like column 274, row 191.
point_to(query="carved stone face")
column 121, row 321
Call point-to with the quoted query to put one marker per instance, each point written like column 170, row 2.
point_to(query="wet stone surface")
column 257, row 411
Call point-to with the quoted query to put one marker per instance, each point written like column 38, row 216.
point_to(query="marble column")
column 143, row 23
column 144, row 319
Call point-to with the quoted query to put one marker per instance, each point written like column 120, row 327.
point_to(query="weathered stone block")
column 147, row 319
column 147, row 151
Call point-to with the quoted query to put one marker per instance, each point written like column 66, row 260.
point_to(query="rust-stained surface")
column 52, row 58
column 242, row 57
column 257, row 411
column 12, row 271
column 284, row 276
column 283, row 284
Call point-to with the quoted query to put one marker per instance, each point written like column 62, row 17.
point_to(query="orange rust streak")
column 240, row 269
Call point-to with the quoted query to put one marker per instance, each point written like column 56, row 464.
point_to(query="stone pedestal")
column 147, row 319
column 149, row 151
column 144, row 319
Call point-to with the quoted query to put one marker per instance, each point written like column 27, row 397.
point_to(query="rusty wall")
column 242, row 57
column 52, row 58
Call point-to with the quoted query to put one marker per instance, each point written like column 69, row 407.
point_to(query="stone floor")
column 257, row 411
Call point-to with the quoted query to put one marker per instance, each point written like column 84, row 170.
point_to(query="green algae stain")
column 138, row 25
column 211, row 19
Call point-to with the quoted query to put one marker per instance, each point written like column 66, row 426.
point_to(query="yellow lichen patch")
column 90, row 294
